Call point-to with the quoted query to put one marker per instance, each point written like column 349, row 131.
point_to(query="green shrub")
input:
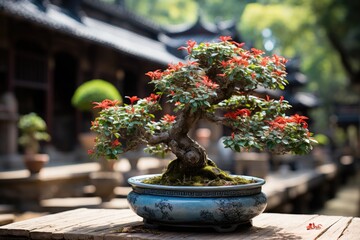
column 95, row 90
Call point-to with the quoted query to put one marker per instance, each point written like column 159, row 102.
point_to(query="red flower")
column 244, row 112
column 224, row 64
column 240, row 112
column 313, row 226
column 115, row 143
column 239, row 45
column 253, row 75
column 300, row 120
column 207, row 82
column 257, row 51
column 239, row 61
column 106, row 103
column 176, row 67
column 94, row 123
column 193, row 63
column 281, row 122
column 232, row 135
column 281, row 99
column 169, row 118
column 155, row 75
column 90, row 151
column 245, row 54
column 152, row 98
column 191, row 44
column 279, row 72
column 278, row 60
column 225, row 38
column 278, row 123
column 133, row 99
column 264, row 61
column 268, row 98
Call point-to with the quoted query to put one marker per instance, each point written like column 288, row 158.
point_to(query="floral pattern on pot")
column 221, row 213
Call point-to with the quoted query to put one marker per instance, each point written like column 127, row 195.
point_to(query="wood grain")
column 115, row 224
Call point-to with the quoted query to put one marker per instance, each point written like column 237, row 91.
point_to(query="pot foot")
column 218, row 228
column 232, row 227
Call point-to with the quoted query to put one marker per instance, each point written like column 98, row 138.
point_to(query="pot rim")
column 135, row 182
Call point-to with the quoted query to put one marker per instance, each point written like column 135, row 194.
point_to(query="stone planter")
column 35, row 162
column 223, row 208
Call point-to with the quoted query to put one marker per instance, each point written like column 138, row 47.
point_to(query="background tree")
column 340, row 19
column 324, row 34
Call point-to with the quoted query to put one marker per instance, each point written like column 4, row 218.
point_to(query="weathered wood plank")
column 23, row 228
column 58, row 225
column 352, row 230
column 301, row 229
column 102, row 226
column 335, row 230
column 278, row 226
column 265, row 226
column 114, row 224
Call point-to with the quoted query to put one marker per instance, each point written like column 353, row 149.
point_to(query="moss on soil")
column 210, row 175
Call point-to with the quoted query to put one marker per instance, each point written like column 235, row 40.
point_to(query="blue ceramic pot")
column 223, row 208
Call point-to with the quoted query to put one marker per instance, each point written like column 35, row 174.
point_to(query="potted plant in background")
column 216, row 84
column 33, row 130
column 95, row 90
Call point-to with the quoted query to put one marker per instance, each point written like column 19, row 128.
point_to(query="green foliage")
column 323, row 34
column 33, row 130
column 122, row 128
column 322, row 139
column 307, row 29
column 219, row 77
column 267, row 127
column 166, row 12
column 177, row 12
column 94, row 91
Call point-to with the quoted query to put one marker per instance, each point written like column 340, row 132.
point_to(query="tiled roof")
column 55, row 18
column 200, row 31
column 123, row 13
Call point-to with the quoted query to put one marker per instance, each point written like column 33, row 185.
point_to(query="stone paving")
column 346, row 201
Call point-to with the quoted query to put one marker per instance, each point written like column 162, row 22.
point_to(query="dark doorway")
column 64, row 126
column 130, row 85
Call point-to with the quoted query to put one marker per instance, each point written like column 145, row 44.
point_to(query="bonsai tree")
column 95, row 90
column 215, row 84
column 33, row 130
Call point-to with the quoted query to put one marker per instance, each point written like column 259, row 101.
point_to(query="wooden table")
column 111, row 224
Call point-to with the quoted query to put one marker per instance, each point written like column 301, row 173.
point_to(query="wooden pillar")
column 80, row 78
column 49, row 96
column 11, row 68
column 5, row 43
